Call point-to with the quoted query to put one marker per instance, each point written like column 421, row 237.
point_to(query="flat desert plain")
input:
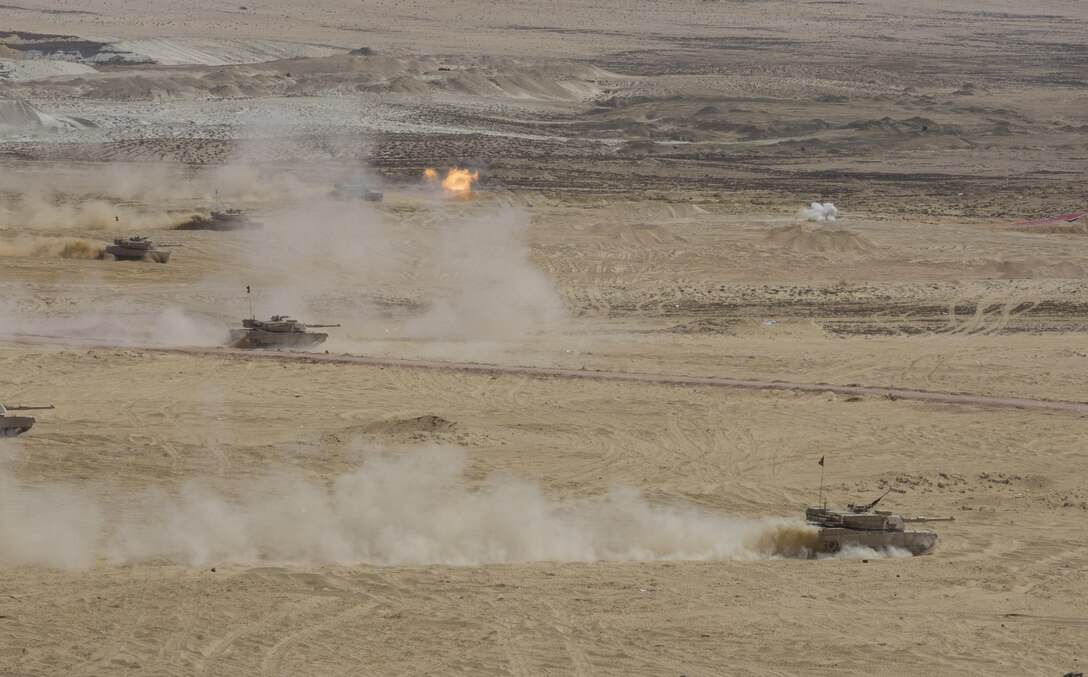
column 570, row 417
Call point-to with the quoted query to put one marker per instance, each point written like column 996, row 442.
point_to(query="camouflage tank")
column 137, row 248
column 355, row 191
column 862, row 526
column 278, row 332
column 10, row 426
column 233, row 219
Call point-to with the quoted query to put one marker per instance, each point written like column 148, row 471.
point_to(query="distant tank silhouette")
column 228, row 219
column 137, row 248
column 278, row 332
column 862, row 526
column 10, row 426
column 355, row 191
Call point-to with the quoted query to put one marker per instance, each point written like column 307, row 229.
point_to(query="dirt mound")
column 637, row 234
column 16, row 69
column 19, row 116
column 891, row 126
column 820, row 240
column 427, row 424
column 1035, row 268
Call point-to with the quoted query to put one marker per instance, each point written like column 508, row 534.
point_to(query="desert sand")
column 570, row 419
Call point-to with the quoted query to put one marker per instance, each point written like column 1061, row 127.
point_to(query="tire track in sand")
column 891, row 393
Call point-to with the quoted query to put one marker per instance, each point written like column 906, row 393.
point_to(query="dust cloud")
column 52, row 524
column 239, row 182
column 43, row 210
column 410, row 508
column 457, row 273
column 426, row 268
column 52, row 247
column 38, row 313
column 494, row 292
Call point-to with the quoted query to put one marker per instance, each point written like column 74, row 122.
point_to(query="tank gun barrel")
column 929, row 519
column 319, row 326
column 22, row 407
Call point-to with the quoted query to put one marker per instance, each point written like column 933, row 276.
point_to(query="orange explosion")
column 457, row 180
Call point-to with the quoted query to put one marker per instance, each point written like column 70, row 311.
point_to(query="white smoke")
column 820, row 212
column 405, row 509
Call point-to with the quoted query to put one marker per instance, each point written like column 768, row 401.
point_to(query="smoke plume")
column 820, row 212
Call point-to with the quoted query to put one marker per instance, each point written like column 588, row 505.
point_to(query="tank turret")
column 864, row 527
column 10, row 426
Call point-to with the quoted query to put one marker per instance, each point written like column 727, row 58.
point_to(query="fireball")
column 459, row 180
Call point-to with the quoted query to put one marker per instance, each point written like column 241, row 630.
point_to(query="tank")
column 137, row 248
column 232, row 219
column 227, row 220
column 10, row 426
column 278, row 332
column 355, row 191
column 863, row 526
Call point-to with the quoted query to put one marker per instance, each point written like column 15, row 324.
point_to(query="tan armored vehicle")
column 232, row 219
column 229, row 219
column 862, row 526
column 137, row 248
column 355, row 191
column 278, row 332
column 10, row 426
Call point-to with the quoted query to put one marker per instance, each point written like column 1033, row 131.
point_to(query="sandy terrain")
column 570, row 420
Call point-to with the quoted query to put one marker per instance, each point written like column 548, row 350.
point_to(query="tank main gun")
column 23, row 407
column 309, row 324
column 929, row 519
